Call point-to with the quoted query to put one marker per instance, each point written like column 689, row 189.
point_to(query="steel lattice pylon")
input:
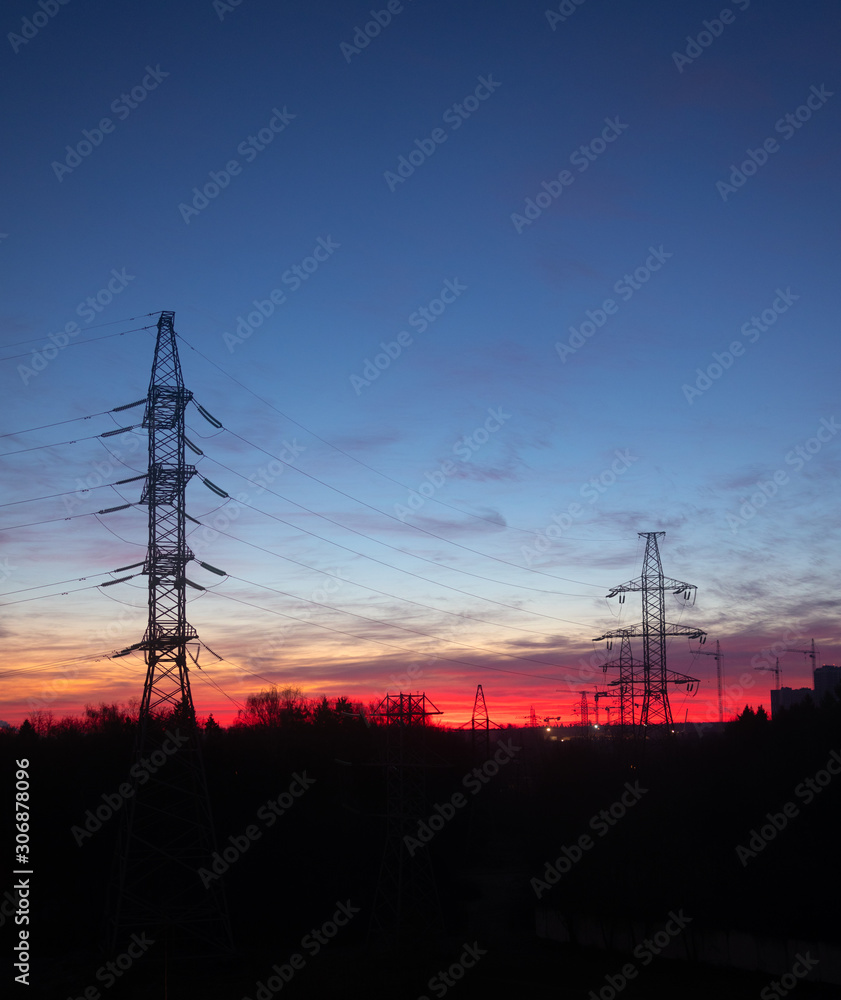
column 167, row 836
column 655, row 630
column 480, row 724
column 630, row 672
column 406, row 898
column 583, row 711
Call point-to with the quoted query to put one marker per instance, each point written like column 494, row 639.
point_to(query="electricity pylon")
column 583, row 710
column 406, row 898
column 168, row 833
column 654, row 629
column 481, row 725
column 630, row 671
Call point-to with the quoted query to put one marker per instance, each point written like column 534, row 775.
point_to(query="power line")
column 365, row 465
column 76, row 343
column 408, row 572
column 57, row 583
column 94, row 657
column 70, row 493
column 381, row 642
column 55, row 423
column 43, row 597
column 69, row 517
column 414, row 527
column 385, row 593
column 403, row 628
column 59, row 444
column 96, row 326
column 388, row 545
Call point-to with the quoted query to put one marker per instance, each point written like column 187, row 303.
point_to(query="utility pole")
column 718, row 655
column 654, row 629
column 167, row 836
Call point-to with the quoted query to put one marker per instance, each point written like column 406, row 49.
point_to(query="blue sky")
column 489, row 105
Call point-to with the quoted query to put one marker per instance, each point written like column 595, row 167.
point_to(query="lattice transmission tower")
column 480, row 726
column 630, row 676
column 406, row 899
column 655, row 630
column 167, row 836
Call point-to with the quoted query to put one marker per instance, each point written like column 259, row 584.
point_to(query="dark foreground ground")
column 650, row 832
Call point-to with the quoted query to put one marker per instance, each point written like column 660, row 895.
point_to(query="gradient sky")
column 628, row 429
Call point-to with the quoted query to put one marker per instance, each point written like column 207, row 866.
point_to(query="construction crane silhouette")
column 603, row 694
column 776, row 668
column 813, row 656
column 718, row 655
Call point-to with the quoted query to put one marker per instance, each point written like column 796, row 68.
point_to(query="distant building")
column 827, row 679
column 786, row 697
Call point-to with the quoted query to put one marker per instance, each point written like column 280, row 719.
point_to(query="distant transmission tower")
column 168, row 833
column 654, row 630
column 630, row 673
column 406, row 898
column 481, row 725
column 583, row 710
